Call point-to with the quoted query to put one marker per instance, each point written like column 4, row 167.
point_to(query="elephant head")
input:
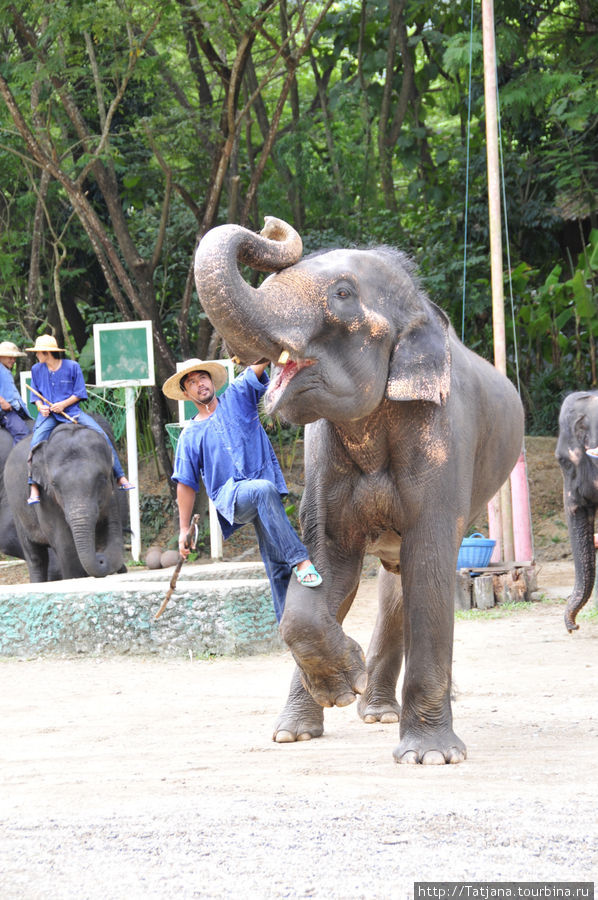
column 346, row 327
column 79, row 502
column 578, row 434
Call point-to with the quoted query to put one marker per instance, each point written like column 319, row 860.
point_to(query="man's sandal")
column 32, row 500
column 309, row 577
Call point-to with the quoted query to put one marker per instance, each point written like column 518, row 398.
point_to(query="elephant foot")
column 378, row 709
column 434, row 748
column 334, row 679
column 301, row 720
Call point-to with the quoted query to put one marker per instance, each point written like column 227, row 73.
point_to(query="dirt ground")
column 150, row 778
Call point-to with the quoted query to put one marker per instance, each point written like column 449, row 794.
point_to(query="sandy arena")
column 151, row 778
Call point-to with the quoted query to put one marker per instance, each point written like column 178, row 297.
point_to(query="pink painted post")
column 522, row 528
column 495, row 528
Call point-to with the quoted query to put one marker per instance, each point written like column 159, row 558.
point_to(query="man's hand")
column 60, row 406
column 185, row 497
column 5, row 405
column 184, row 549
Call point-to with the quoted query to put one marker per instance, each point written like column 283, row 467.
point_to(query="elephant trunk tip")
column 570, row 615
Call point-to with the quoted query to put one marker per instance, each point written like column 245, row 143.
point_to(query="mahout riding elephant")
column 80, row 514
column 578, row 433
column 9, row 539
column 408, row 435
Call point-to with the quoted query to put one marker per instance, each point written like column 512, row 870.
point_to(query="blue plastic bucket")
column 475, row 551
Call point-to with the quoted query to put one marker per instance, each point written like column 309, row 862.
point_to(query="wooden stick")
column 190, row 541
column 47, row 402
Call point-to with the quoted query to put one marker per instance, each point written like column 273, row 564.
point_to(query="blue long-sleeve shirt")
column 228, row 447
column 8, row 390
column 66, row 381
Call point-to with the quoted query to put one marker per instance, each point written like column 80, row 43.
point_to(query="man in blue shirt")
column 226, row 447
column 14, row 415
column 61, row 383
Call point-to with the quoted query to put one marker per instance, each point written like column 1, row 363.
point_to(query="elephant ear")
column 420, row 365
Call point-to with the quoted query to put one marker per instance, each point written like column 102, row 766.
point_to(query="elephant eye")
column 343, row 299
column 343, row 291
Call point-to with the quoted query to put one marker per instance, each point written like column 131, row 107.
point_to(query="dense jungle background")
column 128, row 129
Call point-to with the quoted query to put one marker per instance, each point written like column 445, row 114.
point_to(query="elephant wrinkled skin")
column 408, row 435
column 79, row 516
column 578, row 432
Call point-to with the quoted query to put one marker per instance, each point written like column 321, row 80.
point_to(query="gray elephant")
column 408, row 436
column 79, row 515
column 576, row 452
column 9, row 539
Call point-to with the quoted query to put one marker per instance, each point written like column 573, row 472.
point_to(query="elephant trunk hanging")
column 576, row 446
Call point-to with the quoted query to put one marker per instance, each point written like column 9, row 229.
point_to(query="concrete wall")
column 216, row 609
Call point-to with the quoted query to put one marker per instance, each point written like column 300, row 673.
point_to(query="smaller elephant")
column 10, row 543
column 9, row 539
column 79, row 515
column 577, row 442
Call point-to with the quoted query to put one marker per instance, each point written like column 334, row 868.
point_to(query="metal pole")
column 496, row 268
column 215, row 533
column 133, row 474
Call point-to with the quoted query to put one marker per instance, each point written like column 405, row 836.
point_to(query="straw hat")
column 7, row 348
column 172, row 386
column 45, row 343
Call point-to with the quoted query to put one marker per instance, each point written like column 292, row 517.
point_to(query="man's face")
column 8, row 361
column 199, row 387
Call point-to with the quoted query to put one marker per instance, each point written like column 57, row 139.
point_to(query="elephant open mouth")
column 283, row 375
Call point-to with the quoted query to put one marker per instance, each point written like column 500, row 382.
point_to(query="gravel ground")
column 142, row 778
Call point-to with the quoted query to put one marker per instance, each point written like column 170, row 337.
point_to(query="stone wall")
column 218, row 609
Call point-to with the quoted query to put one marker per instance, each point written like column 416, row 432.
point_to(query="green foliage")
column 154, row 515
column 167, row 147
column 110, row 403
column 557, row 329
column 496, row 612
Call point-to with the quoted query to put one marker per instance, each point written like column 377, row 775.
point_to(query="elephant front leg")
column 378, row 703
column 426, row 728
column 332, row 664
column 301, row 719
column 580, row 522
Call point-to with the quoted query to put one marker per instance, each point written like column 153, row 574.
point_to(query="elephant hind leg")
column 379, row 703
column 301, row 719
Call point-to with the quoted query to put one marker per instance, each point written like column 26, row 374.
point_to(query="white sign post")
column 124, row 357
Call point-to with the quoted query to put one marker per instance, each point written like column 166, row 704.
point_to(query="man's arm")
column 185, row 498
column 259, row 368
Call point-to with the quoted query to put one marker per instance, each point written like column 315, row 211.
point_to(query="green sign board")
column 124, row 354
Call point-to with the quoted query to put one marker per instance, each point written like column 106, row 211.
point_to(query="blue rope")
column 467, row 172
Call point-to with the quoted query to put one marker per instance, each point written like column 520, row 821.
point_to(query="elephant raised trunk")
column 240, row 313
